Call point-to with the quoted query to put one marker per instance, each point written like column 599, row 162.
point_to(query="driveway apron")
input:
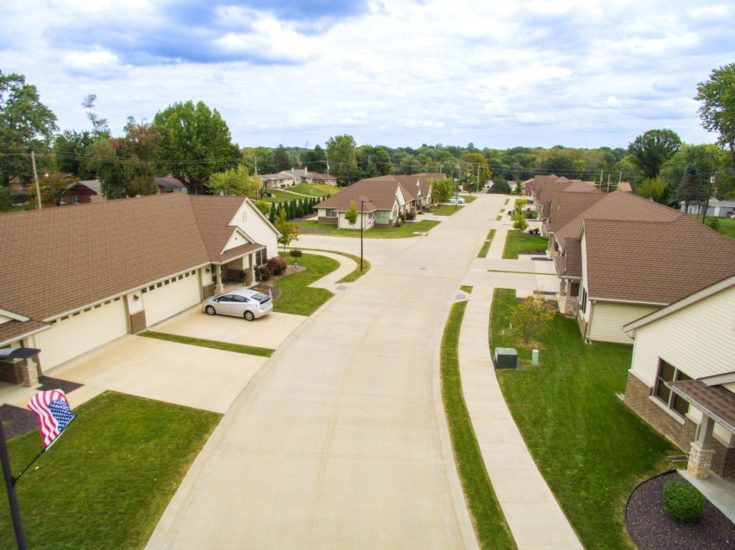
column 340, row 441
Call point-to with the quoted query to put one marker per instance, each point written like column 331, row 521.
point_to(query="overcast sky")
column 395, row 72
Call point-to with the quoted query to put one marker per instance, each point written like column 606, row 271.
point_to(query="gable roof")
column 617, row 205
column 412, row 185
column 654, row 262
column 170, row 182
column 379, row 194
column 60, row 259
column 566, row 205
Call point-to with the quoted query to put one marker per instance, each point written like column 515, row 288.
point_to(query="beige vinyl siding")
column 607, row 320
column 584, row 287
column 699, row 340
column 80, row 333
column 171, row 297
column 252, row 224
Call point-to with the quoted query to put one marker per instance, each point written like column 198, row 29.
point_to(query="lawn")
column 280, row 196
column 214, row 344
column 354, row 275
column 315, row 189
column 589, row 447
column 488, row 519
column 469, row 198
column 486, row 245
column 446, row 209
column 520, row 242
column 727, row 227
column 296, row 296
column 406, row 230
column 107, row 481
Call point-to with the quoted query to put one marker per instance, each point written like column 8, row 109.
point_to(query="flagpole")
column 20, row 537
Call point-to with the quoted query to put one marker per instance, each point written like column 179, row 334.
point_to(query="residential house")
column 288, row 178
column 378, row 202
column 169, row 184
column 83, row 192
column 74, row 279
column 682, row 376
column 416, row 189
column 624, row 256
column 715, row 208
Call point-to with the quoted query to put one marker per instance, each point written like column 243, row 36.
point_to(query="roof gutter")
column 24, row 335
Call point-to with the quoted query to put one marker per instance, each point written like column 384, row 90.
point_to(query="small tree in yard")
column 519, row 222
column 351, row 214
column 690, row 189
column 289, row 232
column 531, row 316
column 295, row 254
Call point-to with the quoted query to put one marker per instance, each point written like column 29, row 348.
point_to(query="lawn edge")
column 205, row 343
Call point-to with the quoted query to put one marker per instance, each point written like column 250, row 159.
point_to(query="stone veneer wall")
column 637, row 398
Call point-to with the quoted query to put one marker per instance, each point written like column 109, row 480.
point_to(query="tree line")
column 192, row 142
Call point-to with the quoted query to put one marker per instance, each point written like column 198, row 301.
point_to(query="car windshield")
column 260, row 297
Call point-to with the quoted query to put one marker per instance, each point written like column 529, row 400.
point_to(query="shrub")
column 713, row 223
column 519, row 223
column 262, row 272
column 295, row 254
column 682, row 502
column 411, row 215
column 276, row 265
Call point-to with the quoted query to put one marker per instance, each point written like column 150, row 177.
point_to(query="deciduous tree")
column 351, row 214
column 235, row 181
column 717, row 110
column 531, row 317
column 342, row 160
column 651, row 149
column 441, row 190
column 289, row 232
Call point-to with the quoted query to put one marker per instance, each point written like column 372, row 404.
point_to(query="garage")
column 80, row 332
column 167, row 298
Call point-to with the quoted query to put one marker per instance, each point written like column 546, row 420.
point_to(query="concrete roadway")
column 340, row 440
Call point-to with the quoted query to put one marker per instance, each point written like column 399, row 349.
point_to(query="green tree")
column 289, row 232
column 476, row 166
column 99, row 125
column 709, row 159
column 717, row 110
column 235, row 181
column 351, row 214
column 25, row 124
column 342, row 160
column 281, row 159
column 441, row 190
column 501, row 187
column 315, row 160
column 519, row 222
column 651, row 188
column 272, row 214
column 54, row 185
column 651, row 149
column 690, row 190
column 71, row 151
column 263, row 206
column 127, row 166
column 195, row 143
column 531, row 317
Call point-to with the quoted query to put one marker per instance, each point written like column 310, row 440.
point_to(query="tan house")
column 288, row 178
column 682, row 376
column 416, row 189
column 74, row 279
column 377, row 202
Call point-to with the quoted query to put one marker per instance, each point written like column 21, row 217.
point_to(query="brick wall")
column 637, row 398
column 137, row 322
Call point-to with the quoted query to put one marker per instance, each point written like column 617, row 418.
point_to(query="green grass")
column 214, row 344
column 406, row 230
column 295, row 295
column 466, row 288
column 506, row 201
column 488, row 519
column 315, row 189
column 727, row 227
column 589, row 447
column 520, row 242
column 469, row 198
column 486, row 245
column 446, row 209
column 107, row 481
column 356, row 274
column 281, row 196
column 498, row 218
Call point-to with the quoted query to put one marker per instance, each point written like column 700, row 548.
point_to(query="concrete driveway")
column 267, row 332
column 197, row 377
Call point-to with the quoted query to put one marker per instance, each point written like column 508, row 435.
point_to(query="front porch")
column 568, row 297
column 238, row 272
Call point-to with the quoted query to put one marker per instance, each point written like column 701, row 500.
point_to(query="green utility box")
column 506, row 358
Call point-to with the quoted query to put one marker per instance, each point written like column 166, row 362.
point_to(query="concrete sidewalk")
column 533, row 514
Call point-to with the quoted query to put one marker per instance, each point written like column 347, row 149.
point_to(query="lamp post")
column 362, row 228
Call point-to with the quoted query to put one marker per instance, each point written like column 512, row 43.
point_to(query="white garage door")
column 170, row 297
column 82, row 332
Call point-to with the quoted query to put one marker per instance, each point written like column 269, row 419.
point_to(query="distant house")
column 169, row 184
column 416, row 188
column 288, row 178
column 715, row 208
column 682, row 376
column 74, row 279
column 83, row 192
column 377, row 202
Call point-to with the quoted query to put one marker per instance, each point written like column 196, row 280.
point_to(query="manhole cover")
column 341, row 287
column 460, row 297
column 422, row 268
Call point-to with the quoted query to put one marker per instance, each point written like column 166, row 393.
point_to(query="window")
column 668, row 373
column 330, row 213
column 583, row 307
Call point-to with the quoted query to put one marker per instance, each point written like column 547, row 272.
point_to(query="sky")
column 535, row 73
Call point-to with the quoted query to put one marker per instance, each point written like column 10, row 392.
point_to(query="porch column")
column 250, row 269
column 219, row 287
column 701, row 451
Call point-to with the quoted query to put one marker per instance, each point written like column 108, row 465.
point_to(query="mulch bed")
column 651, row 529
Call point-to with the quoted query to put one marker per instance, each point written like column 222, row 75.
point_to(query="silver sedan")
column 242, row 302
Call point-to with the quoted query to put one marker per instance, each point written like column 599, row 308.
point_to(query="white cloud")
column 97, row 62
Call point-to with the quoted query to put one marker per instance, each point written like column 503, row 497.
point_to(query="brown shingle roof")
column 654, row 262
column 14, row 330
column 569, row 264
column 546, row 191
column 617, row 206
column 716, row 401
column 59, row 259
column 381, row 195
column 566, row 205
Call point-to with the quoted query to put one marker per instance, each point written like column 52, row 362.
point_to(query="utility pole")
column 35, row 179
column 600, row 179
column 608, row 182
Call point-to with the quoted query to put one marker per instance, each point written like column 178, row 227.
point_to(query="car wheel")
column 210, row 310
column 249, row 316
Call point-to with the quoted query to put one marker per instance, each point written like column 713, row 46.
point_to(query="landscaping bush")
column 412, row 215
column 519, row 223
column 276, row 265
column 295, row 254
column 682, row 502
column 713, row 223
column 263, row 272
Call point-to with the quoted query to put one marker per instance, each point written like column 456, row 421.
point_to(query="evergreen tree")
column 272, row 215
column 690, row 189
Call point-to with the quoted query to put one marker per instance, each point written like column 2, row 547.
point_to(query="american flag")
column 53, row 412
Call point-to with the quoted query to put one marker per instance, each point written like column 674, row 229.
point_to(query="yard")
column 520, row 242
column 469, row 198
column 589, row 447
column 446, row 209
column 296, row 296
column 107, row 481
column 727, row 226
column 406, row 230
column 315, row 189
column 279, row 196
